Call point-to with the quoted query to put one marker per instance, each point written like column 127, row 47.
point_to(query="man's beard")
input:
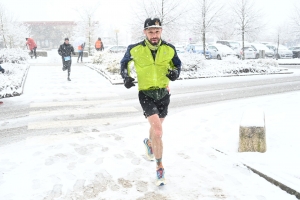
column 154, row 43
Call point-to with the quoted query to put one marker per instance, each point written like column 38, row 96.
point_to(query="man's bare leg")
column 156, row 138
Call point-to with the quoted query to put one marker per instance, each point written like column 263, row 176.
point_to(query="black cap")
column 152, row 23
column 66, row 39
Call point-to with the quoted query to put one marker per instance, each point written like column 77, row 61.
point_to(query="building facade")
column 50, row 34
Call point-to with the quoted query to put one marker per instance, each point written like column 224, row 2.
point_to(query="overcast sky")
column 115, row 14
column 115, row 10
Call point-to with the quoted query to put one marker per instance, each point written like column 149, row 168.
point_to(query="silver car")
column 283, row 51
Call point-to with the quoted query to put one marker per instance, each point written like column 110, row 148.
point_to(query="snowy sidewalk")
column 96, row 164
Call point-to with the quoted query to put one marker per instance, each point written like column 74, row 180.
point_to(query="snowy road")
column 50, row 103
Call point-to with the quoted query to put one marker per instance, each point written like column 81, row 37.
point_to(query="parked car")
column 296, row 51
column 249, row 52
column 179, row 49
column 117, row 49
column 198, row 48
column 230, row 43
column 283, row 51
column 218, row 51
column 257, row 47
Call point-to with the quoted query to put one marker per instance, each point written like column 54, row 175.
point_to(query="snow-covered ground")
column 95, row 164
column 110, row 164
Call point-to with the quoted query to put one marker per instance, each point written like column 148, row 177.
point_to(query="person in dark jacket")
column 65, row 51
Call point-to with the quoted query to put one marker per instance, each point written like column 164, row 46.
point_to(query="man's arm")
column 124, row 63
column 128, row 81
column 60, row 51
column 176, row 63
column 72, row 50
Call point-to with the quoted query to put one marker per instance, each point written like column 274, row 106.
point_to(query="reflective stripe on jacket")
column 151, row 74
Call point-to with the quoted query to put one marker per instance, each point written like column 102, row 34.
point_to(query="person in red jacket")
column 30, row 43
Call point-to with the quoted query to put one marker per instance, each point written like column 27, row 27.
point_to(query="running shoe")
column 149, row 152
column 160, row 180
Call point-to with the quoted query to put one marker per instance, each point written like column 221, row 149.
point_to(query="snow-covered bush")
column 16, row 66
column 111, row 61
column 191, row 61
column 12, row 80
column 14, row 55
column 193, row 66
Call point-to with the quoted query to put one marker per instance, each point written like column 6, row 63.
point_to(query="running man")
column 65, row 50
column 156, row 63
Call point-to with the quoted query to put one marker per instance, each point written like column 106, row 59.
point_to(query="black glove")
column 74, row 53
column 172, row 75
column 128, row 82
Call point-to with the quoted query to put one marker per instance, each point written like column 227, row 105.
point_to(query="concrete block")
column 85, row 54
column 40, row 53
column 252, row 133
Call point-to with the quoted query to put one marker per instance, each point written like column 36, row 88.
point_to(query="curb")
column 24, row 79
column 270, row 179
column 288, row 63
column 113, row 82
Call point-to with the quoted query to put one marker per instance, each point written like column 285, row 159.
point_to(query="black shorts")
column 151, row 106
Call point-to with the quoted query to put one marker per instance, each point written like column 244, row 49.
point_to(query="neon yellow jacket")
column 151, row 73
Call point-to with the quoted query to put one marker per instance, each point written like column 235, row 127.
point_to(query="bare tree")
column 87, row 26
column 170, row 12
column 13, row 33
column 248, row 19
column 295, row 18
column 207, row 18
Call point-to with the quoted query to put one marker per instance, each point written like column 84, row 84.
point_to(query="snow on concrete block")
column 253, row 131
column 85, row 54
column 40, row 54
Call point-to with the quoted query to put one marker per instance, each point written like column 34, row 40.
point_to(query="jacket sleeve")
column 177, row 63
column 60, row 51
column 124, row 62
column 72, row 50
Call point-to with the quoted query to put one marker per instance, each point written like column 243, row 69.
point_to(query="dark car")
column 296, row 51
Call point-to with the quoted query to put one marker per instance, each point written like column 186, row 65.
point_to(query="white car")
column 220, row 51
column 249, row 52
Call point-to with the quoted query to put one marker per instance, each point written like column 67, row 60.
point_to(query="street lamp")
column 117, row 31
